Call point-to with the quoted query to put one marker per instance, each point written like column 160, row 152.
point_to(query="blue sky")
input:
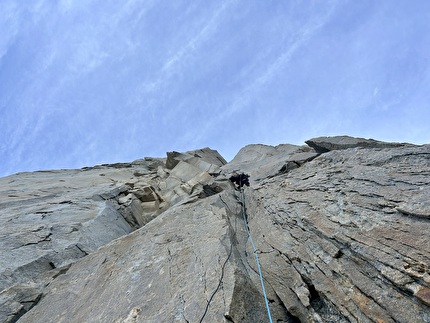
column 103, row 81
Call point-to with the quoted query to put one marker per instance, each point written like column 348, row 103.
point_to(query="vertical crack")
column 219, row 283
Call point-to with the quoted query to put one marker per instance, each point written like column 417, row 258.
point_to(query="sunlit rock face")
column 340, row 226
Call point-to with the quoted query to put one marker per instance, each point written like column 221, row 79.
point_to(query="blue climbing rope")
column 256, row 256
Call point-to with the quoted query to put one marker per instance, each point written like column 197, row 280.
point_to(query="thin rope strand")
column 256, row 256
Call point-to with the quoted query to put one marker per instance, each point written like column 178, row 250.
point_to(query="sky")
column 104, row 81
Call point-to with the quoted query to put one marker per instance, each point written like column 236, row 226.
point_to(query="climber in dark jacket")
column 240, row 180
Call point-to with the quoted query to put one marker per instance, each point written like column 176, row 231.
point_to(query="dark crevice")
column 314, row 298
column 321, row 305
column 47, row 238
column 61, row 271
column 338, row 254
column 209, row 190
column 66, row 202
column 117, row 165
column 81, row 250
column 317, row 148
column 290, row 317
column 26, row 306
column 290, row 165
column 415, row 215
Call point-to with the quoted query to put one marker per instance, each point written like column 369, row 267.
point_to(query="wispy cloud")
column 207, row 30
column 175, row 62
column 306, row 32
column 9, row 25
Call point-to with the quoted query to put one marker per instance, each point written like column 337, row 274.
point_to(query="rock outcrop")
column 341, row 228
column 325, row 144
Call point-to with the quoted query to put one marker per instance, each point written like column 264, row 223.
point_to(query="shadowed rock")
column 325, row 144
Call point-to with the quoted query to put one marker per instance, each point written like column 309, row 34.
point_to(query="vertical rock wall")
column 340, row 226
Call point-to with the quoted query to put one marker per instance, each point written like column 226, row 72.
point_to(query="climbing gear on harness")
column 240, row 180
column 245, row 220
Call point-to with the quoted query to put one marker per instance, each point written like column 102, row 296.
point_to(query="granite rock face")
column 340, row 226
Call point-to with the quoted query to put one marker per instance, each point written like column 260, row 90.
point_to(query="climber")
column 240, row 180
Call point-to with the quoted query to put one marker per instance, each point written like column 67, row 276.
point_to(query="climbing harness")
column 245, row 220
column 240, row 180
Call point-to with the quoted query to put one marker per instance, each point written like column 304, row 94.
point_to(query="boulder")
column 205, row 159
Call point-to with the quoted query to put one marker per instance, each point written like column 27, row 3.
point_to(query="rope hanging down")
column 255, row 253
